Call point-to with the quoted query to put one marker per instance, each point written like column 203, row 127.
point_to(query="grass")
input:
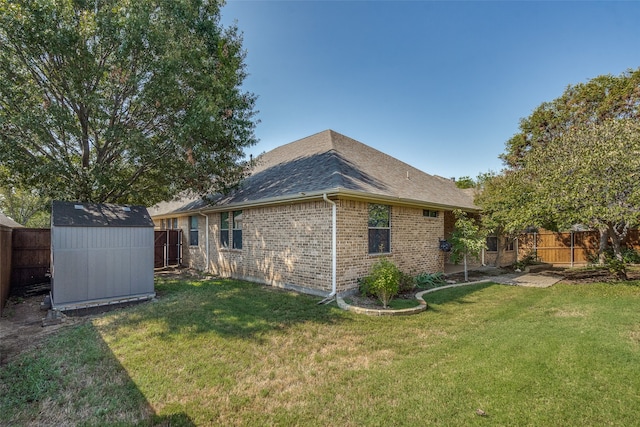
column 224, row 352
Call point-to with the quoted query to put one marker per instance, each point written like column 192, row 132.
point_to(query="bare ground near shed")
column 21, row 321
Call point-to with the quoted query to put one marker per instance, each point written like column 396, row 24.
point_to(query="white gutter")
column 334, row 239
column 206, row 240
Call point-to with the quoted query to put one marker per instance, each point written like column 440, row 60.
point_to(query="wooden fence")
column 31, row 257
column 575, row 248
column 5, row 264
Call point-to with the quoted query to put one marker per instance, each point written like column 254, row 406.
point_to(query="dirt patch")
column 21, row 326
column 595, row 275
column 21, row 321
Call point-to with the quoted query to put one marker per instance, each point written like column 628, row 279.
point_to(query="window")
column 379, row 228
column 509, row 244
column 224, row 229
column 237, row 229
column 492, row 244
column 169, row 224
column 429, row 213
column 193, row 230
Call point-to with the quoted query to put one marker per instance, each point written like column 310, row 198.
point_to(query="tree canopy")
column 122, row 101
column 576, row 160
column 602, row 98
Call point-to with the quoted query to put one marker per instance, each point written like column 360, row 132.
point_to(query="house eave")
column 317, row 196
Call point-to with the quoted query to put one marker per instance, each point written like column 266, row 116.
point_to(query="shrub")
column 407, row 283
column 364, row 284
column 383, row 282
column 529, row 259
column 630, row 256
column 428, row 281
column 617, row 267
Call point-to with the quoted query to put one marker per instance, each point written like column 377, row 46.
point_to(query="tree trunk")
column 604, row 240
column 466, row 273
column 617, row 233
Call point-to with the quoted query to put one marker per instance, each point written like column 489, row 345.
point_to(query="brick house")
column 278, row 227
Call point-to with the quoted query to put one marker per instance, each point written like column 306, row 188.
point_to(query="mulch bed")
column 570, row 275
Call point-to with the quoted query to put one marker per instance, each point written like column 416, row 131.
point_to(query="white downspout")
column 334, row 245
column 206, row 240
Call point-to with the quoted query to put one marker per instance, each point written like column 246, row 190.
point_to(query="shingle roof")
column 332, row 163
column 8, row 222
column 75, row 214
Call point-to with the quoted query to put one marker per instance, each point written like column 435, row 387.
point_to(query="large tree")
column 591, row 175
column 574, row 161
column 599, row 99
column 122, row 101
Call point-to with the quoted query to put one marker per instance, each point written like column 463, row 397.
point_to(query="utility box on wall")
column 100, row 254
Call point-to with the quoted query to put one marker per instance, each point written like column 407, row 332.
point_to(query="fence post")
column 572, row 247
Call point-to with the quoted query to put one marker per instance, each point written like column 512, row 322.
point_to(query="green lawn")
column 224, row 352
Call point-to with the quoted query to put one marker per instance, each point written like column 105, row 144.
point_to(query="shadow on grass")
column 458, row 295
column 231, row 308
column 80, row 381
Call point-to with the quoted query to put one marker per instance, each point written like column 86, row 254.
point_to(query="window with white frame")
column 429, row 213
column 379, row 228
column 237, row 230
column 224, row 229
column 193, row 230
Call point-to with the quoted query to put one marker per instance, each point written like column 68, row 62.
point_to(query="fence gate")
column 30, row 257
column 167, row 248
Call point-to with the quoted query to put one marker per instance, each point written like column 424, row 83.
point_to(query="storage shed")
column 100, row 254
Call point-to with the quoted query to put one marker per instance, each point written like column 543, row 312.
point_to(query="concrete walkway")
column 531, row 280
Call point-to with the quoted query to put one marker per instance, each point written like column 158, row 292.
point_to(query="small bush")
column 364, row 284
column 617, row 267
column 407, row 283
column 527, row 260
column 428, row 281
column 630, row 256
column 383, row 282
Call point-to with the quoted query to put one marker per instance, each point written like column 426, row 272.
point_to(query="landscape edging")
column 405, row 311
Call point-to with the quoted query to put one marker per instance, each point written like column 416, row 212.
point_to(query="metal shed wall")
column 93, row 263
column 99, row 264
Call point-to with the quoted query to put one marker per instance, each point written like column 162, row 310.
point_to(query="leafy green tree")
column 465, row 182
column 591, row 175
column 600, row 99
column 468, row 239
column 122, row 101
column 574, row 161
column 27, row 207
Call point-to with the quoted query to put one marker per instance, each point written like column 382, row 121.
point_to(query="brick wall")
column 290, row 245
column 414, row 242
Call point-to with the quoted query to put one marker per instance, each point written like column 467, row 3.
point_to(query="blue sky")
column 439, row 85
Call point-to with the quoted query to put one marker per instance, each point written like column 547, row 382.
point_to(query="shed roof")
column 8, row 222
column 332, row 163
column 76, row 214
